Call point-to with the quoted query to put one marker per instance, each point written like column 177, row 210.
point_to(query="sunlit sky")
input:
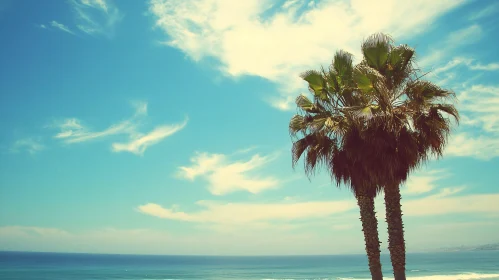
column 161, row 127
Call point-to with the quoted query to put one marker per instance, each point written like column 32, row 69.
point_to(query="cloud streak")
column 449, row 201
column 226, row 176
column 245, row 213
column 480, row 123
column 487, row 11
column 96, row 16
column 467, row 62
column 60, row 26
column 468, row 35
column 423, row 182
column 139, row 144
column 29, row 145
column 73, row 131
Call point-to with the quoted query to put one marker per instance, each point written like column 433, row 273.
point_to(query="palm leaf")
column 376, row 49
column 305, row 104
column 315, row 82
column 297, row 124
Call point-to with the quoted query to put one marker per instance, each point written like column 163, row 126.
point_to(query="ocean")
column 55, row 266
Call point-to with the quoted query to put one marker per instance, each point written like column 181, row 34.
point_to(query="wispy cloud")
column 289, row 214
column 448, row 202
column 29, row 145
column 423, row 182
column 468, row 35
column 283, row 43
column 246, row 213
column 140, row 143
column 96, row 16
column 225, row 175
column 478, row 146
column 486, row 67
column 468, row 62
column 485, row 12
column 479, row 131
column 479, row 104
column 61, row 27
column 441, row 51
column 73, row 131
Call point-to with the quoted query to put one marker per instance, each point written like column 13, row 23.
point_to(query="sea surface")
column 54, row 266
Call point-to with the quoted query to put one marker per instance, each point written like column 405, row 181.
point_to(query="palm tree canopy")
column 372, row 123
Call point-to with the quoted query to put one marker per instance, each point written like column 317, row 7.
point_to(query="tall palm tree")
column 410, row 121
column 322, row 129
column 371, row 125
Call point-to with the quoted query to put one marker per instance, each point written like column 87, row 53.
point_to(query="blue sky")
column 160, row 127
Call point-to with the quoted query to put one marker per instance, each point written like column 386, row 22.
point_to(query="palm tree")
column 322, row 130
column 371, row 125
column 411, row 124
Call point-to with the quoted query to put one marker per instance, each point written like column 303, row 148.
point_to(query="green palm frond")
column 400, row 64
column 362, row 79
column 316, row 83
column 342, row 65
column 376, row 49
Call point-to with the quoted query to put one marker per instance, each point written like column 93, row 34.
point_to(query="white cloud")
column 73, row 131
column 96, row 16
column 30, row 145
column 61, row 26
column 446, row 202
column 140, row 143
column 423, row 182
column 225, row 176
column 481, row 101
column 478, row 106
column 250, row 213
column 482, row 147
column 99, row 4
column 43, row 26
column 280, row 46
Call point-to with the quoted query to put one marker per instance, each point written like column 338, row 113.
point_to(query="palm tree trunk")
column 396, row 243
column 370, row 229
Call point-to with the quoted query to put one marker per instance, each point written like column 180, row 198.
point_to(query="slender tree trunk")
column 370, row 229
column 396, row 243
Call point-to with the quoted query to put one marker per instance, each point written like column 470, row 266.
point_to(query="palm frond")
column 305, row 104
column 376, row 49
column 297, row 124
column 316, row 82
column 449, row 109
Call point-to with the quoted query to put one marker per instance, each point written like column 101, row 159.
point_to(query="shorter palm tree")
column 406, row 120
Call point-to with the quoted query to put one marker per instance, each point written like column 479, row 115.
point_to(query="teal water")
column 54, row 266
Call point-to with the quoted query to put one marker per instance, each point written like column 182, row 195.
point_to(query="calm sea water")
column 39, row 266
